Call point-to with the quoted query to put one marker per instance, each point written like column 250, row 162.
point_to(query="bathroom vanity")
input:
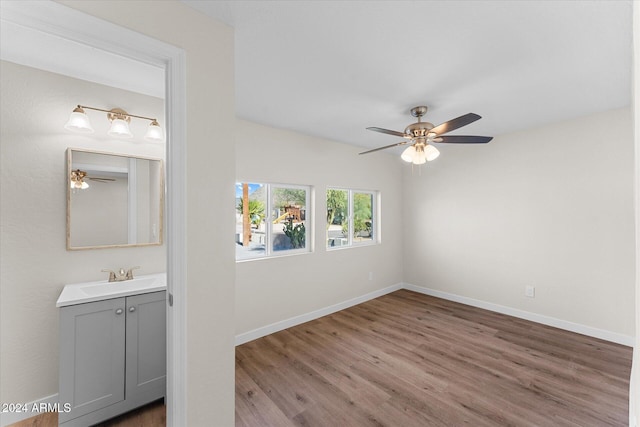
column 112, row 347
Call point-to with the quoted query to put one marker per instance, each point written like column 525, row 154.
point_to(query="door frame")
column 62, row 21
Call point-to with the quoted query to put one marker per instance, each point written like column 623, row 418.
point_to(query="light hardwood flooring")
column 151, row 415
column 407, row 359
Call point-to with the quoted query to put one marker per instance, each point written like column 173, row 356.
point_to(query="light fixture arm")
column 116, row 112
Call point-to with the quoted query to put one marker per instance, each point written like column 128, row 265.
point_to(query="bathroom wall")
column 35, row 265
column 550, row 207
column 276, row 289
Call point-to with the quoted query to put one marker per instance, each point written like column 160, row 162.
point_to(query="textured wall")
column 35, row 264
column 276, row 289
column 551, row 207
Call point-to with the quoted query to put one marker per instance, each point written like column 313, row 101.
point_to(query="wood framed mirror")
column 113, row 200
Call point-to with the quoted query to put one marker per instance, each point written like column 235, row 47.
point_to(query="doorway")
column 64, row 24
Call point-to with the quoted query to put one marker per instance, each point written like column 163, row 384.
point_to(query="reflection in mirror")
column 114, row 200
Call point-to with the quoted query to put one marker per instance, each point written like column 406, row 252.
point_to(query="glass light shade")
column 79, row 122
column 420, row 157
column 154, row 132
column 79, row 184
column 408, row 154
column 431, row 152
column 120, row 129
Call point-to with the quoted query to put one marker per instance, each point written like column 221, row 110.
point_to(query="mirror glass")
column 114, row 200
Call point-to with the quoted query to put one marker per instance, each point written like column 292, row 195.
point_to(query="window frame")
column 269, row 252
column 375, row 226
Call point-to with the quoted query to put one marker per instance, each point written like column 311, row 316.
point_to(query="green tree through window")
column 350, row 217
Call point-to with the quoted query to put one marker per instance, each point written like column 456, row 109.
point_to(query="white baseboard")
column 27, row 410
column 534, row 317
column 297, row 320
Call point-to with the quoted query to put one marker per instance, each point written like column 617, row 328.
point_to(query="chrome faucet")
column 120, row 275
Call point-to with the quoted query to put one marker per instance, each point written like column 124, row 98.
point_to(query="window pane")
column 250, row 222
column 337, row 217
column 288, row 217
column 362, row 217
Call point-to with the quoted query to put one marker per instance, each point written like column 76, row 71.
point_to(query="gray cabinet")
column 112, row 356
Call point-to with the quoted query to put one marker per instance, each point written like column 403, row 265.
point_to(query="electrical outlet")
column 371, row 275
column 530, row 291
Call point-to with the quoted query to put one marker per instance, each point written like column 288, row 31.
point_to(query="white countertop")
column 80, row 293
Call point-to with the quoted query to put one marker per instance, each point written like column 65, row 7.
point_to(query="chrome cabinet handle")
column 132, row 309
column 119, row 311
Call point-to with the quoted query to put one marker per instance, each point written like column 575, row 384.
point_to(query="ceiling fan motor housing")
column 419, row 129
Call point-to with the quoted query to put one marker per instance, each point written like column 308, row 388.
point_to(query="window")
column 350, row 217
column 274, row 222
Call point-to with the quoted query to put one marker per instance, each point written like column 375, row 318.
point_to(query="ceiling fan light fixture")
column 77, row 180
column 408, row 154
column 431, row 152
column 79, row 185
column 419, row 157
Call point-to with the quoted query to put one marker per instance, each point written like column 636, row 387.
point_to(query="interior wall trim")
column 527, row 315
column 297, row 320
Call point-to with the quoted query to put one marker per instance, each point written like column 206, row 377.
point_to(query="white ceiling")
column 37, row 49
column 333, row 68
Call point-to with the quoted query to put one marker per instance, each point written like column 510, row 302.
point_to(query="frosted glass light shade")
column 120, row 129
column 419, row 158
column 154, row 132
column 79, row 122
column 79, row 184
column 431, row 152
column 408, row 154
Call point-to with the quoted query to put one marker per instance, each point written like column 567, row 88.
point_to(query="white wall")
column 550, row 207
column 35, row 264
column 276, row 289
column 210, row 267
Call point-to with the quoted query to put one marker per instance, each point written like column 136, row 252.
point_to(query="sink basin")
column 108, row 288
column 95, row 291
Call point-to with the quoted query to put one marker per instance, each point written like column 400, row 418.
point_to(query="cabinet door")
column 92, row 356
column 146, row 346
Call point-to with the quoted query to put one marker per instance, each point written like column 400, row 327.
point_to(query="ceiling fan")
column 421, row 135
column 78, row 176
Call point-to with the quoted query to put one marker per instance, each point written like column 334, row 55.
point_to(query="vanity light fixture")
column 120, row 119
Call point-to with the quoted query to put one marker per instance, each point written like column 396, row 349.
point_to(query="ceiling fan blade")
column 389, row 132
column 101, row 179
column 460, row 139
column 385, row 147
column 456, row 123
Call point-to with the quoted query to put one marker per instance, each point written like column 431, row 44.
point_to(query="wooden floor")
column 151, row 415
column 407, row 359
